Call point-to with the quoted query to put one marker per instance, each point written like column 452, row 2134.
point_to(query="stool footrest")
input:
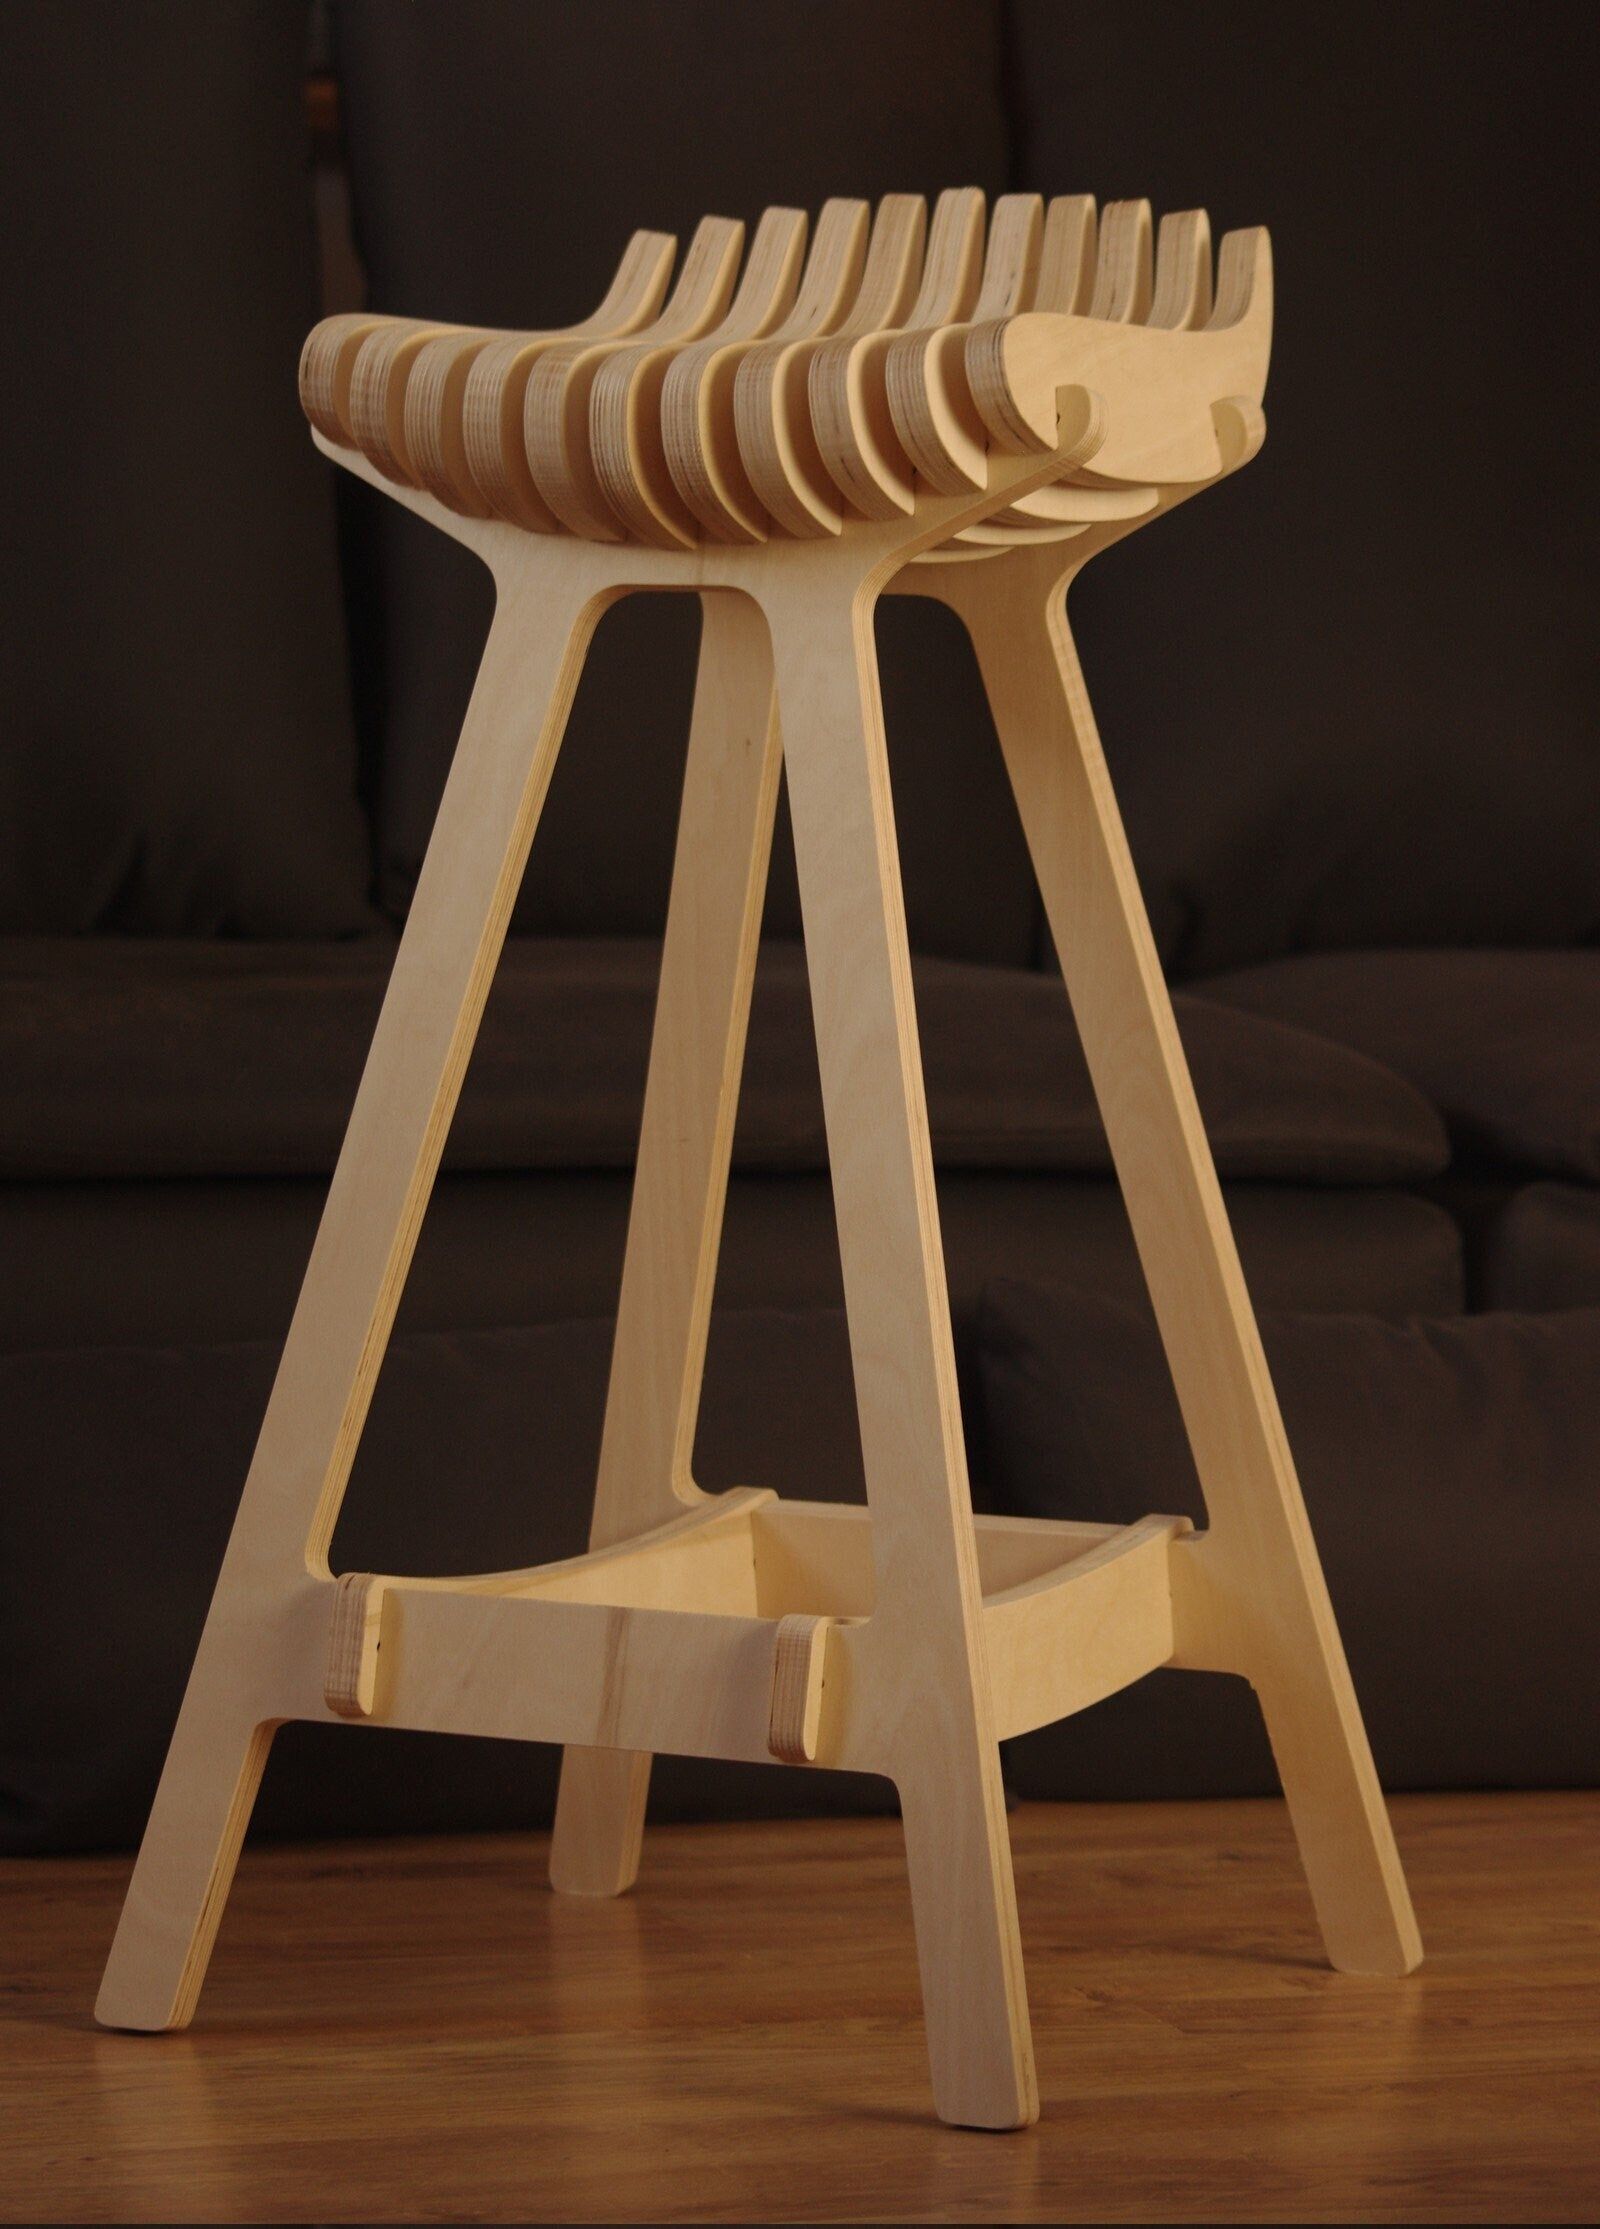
column 713, row 1635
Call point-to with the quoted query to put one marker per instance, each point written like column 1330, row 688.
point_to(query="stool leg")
column 186, row 1861
column 250, row 1671
column 1262, row 1605
column 924, row 1657
column 707, row 966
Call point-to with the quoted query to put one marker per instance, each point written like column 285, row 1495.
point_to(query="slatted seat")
column 808, row 392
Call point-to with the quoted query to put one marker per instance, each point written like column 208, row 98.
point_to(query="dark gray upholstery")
column 177, row 1259
column 1543, row 1249
column 1348, row 716
column 177, row 753
column 1505, row 1044
column 1353, row 705
column 243, row 1059
column 1448, row 1470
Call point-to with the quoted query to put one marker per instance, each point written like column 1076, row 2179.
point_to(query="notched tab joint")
column 1241, row 428
column 799, row 1666
column 355, row 1638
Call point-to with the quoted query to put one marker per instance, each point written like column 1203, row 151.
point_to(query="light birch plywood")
column 799, row 1675
column 784, row 450
column 926, row 1618
column 700, row 408
column 878, row 421
column 1252, row 1594
column 680, row 1182
column 635, row 410
column 772, row 415
column 845, row 391
column 931, row 415
column 563, row 379
column 346, row 1308
column 254, row 1667
column 493, row 394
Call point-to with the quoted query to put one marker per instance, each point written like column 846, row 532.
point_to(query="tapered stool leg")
column 1259, row 1604
column 924, row 1650
column 252, row 1668
column 681, row 1180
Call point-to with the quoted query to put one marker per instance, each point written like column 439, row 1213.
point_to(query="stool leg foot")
column 1336, row 1804
column 185, row 1867
column 974, row 2000
column 599, row 1827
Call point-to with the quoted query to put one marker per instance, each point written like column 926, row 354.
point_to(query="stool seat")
column 818, row 392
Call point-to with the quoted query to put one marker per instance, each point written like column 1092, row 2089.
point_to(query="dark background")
column 1385, row 622
column 1347, row 698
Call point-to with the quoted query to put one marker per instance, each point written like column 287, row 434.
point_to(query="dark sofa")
column 1346, row 710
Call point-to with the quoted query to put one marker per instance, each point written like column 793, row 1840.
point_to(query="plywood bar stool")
column 904, row 409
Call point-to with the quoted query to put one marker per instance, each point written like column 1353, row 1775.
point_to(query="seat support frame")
column 907, row 1638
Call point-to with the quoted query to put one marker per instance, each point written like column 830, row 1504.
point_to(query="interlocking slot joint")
column 799, row 1665
column 355, row 1637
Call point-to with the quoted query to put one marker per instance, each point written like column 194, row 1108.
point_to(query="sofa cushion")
column 158, row 1261
column 143, row 1451
column 1543, row 1249
column 459, row 110
column 1349, row 699
column 178, row 754
column 138, row 1058
column 1448, row 1467
column 1505, row 1044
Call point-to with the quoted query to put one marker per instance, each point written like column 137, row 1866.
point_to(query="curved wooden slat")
column 629, row 403
column 855, row 433
column 772, row 417
column 496, row 383
column 699, row 429
column 931, row 409
column 555, row 408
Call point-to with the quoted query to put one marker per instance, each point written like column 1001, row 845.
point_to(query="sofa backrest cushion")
column 1448, row 1466
column 499, row 157
column 90, row 1702
column 1347, row 698
column 242, row 1060
column 177, row 751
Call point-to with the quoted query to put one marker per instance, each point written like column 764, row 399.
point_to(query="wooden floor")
column 418, row 2030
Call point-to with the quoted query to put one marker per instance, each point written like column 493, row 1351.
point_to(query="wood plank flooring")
column 419, row 2030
